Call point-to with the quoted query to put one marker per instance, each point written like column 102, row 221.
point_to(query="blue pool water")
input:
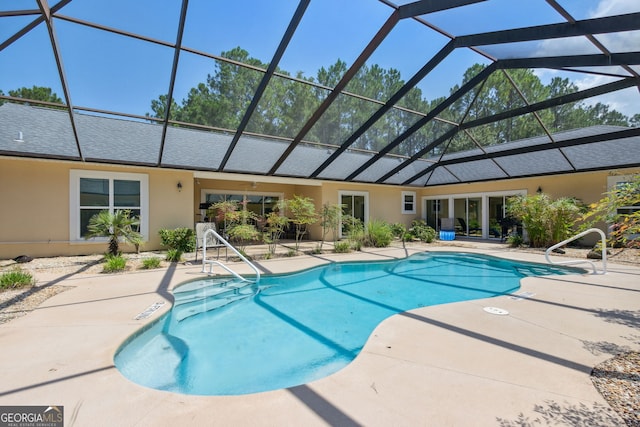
column 225, row 337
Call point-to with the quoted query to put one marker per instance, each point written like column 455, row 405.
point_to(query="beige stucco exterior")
column 34, row 213
column 35, row 199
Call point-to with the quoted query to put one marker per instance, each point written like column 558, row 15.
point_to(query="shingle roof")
column 46, row 133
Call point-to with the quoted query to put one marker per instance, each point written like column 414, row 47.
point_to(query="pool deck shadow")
column 446, row 365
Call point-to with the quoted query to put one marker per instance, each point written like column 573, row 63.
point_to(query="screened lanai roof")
column 408, row 93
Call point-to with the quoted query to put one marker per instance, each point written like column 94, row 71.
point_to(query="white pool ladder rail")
column 574, row 262
column 212, row 262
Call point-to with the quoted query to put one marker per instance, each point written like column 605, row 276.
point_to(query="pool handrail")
column 216, row 262
column 574, row 262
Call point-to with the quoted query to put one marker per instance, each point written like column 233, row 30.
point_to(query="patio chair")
column 463, row 226
column 212, row 241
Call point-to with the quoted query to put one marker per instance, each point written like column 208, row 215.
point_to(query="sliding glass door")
column 355, row 204
column 467, row 212
column 435, row 210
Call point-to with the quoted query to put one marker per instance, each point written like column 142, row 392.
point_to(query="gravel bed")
column 19, row 302
column 618, row 381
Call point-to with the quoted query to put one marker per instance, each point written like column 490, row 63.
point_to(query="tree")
column 115, row 226
column 303, row 213
column 330, row 221
column 222, row 101
column 275, row 226
column 608, row 209
column 35, row 93
column 238, row 222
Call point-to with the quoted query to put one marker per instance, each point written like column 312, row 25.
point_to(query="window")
column 408, row 202
column 94, row 191
column 259, row 203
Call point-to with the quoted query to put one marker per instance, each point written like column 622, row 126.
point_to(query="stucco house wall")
column 35, row 208
column 35, row 199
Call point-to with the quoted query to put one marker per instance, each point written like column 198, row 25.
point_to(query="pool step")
column 526, row 270
column 158, row 363
column 210, row 296
column 200, row 289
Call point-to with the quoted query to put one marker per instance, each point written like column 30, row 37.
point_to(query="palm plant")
column 115, row 226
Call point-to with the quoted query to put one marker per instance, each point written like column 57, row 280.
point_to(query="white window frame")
column 74, row 200
column 365, row 194
column 484, row 196
column 404, row 202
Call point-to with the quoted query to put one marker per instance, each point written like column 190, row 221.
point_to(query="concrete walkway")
column 447, row 365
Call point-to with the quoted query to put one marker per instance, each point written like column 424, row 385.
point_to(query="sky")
column 111, row 72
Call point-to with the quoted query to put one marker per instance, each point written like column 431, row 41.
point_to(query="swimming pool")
column 226, row 337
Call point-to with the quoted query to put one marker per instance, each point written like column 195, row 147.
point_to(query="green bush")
column 547, row 221
column 241, row 234
column 114, row 263
column 399, row 230
column 342, row 247
column 354, row 229
column 421, row 231
column 515, row 240
column 379, row 234
column 174, row 255
column 181, row 239
column 149, row 263
column 16, row 278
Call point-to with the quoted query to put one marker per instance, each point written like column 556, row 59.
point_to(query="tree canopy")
column 287, row 104
column 35, row 93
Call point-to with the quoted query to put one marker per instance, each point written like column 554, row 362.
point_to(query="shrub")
column 181, row 239
column 546, row 221
column 515, row 240
column 174, row 255
column 354, row 228
column 624, row 223
column 303, row 214
column 342, row 247
column 379, row 234
column 243, row 233
column 399, row 230
column 114, row 264
column 16, row 278
column 421, row 231
column 149, row 263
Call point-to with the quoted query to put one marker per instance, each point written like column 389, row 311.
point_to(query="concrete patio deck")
column 447, row 365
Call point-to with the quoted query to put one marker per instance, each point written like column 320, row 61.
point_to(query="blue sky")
column 112, row 72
